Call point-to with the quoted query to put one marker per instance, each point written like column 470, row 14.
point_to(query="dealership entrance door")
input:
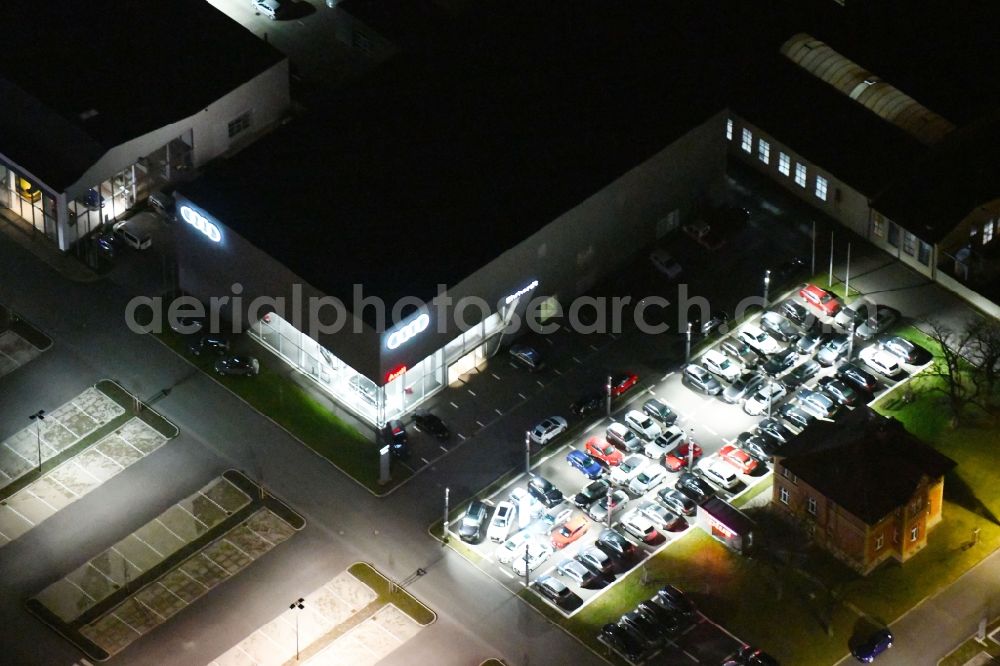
column 466, row 363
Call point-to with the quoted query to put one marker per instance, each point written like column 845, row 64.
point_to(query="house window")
column 747, row 143
column 729, row 129
column 800, row 175
column 924, row 254
column 878, row 225
column 909, row 243
column 783, row 495
column 811, row 505
column 764, row 151
column 987, row 232
column 879, row 541
column 914, row 533
column 821, row 185
column 784, row 164
column 893, row 234
column 239, row 124
column 787, row 473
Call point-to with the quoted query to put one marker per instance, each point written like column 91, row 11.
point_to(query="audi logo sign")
column 401, row 335
column 201, row 223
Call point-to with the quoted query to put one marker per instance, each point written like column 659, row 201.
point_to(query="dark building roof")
column 728, row 515
column 437, row 163
column 406, row 23
column 79, row 78
column 864, row 462
column 930, row 196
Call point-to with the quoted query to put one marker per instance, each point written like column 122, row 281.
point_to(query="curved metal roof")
column 867, row 89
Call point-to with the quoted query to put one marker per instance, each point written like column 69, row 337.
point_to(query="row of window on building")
column 821, row 185
column 811, row 506
column 988, row 229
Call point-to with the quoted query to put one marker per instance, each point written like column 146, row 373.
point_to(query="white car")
column 642, row 424
column 530, row 556
column 547, row 430
column 758, row 340
column 619, row 435
column 816, row 403
column 639, row 526
column 628, row 470
column 272, row 9
column 719, row 472
column 505, row 552
column 504, row 519
column 650, row 477
column 665, row 443
column 881, row 361
column 528, row 508
column 662, row 517
column 766, row 396
column 719, row 364
column 557, row 516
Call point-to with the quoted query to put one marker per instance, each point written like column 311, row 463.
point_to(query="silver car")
column 743, row 387
column 702, row 380
column 595, row 559
column 576, row 572
column 833, row 351
column 884, row 318
column 816, row 403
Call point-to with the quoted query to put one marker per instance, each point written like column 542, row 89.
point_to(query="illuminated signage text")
column 394, row 373
column 520, row 292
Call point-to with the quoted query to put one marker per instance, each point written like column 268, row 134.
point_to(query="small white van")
column 133, row 235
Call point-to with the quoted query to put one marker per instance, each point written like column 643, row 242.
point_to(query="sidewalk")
column 21, row 233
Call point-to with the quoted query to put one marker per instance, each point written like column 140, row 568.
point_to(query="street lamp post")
column 527, row 570
column 812, row 266
column 38, row 417
column 607, row 517
column 847, row 277
column 687, row 352
column 770, row 396
column 767, row 285
column 830, row 282
column 850, row 342
column 607, row 388
column 447, row 492
column 527, row 452
column 297, row 605
column 691, row 449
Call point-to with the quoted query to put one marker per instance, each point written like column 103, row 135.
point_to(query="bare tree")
column 954, row 367
column 985, row 355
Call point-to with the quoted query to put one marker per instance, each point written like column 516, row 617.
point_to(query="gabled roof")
column 864, row 462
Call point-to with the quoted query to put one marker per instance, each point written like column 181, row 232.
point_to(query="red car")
column 820, row 299
column 601, row 449
column 739, row 459
column 569, row 532
column 622, row 383
column 677, row 459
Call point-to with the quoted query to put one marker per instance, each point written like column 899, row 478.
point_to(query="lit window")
column 764, row 152
column 784, row 164
column 811, row 506
column 914, row 533
column 729, row 129
column 821, row 185
column 800, row 175
column 909, row 243
column 878, row 225
column 893, row 234
column 747, row 143
column 783, row 495
column 924, row 255
column 239, row 124
column 987, row 232
column 879, row 541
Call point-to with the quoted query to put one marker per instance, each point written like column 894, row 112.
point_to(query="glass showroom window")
column 800, row 175
column 747, row 143
column 729, row 129
column 924, row 254
column 878, row 225
column 987, row 232
column 784, row 164
column 764, row 151
column 821, row 186
column 909, row 243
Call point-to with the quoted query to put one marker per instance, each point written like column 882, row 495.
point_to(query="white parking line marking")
column 498, row 411
column 443, row 449
column 592, row 347
column 523, row 397
column 495, row 376
column 556, row 370
column 539, row 382
column 426, row 461
column 481, row 424
column 453, row 404
column 577, row 360
column 471, row 392
column 667, row 376
column 593, row 426
column 710, row 430
column 549, row 340
column 461, row 436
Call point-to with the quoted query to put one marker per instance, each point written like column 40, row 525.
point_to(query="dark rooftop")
column 84, row 77
column 864, row 462
column 403, row 22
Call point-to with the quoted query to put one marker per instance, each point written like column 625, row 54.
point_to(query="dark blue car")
column 873, row 646
column 587, row 465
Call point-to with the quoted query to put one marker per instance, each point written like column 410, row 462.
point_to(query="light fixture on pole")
column 527, row 452
column 687, row 351
column 770, row 396
column 691, row 449
column 447, row 492
column 38, row 417
column 608, row 498
column 296, row 605
column 608, row 390
column 767, row 285
column 847, row 277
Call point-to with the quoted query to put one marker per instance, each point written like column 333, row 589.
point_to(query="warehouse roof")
column 97, row 74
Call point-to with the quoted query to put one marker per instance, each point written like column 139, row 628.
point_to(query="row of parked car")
column 650, row 624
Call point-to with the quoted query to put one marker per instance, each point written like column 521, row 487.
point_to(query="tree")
column 954, row 366
column 986, row 358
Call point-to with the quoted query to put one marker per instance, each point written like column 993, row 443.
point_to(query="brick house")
column 863, row 488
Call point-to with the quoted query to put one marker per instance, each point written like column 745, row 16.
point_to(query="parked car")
column 526, row 356
column 872, row 646
column 470, row 528
column 717, row 363
column 622, row 382
column 548, row 429
column 781, row 362
column 672, row 598
column 881, row 361
column 591, row 492
column 590, row 403
column 431, row 424
column 576, row 572
column 802, row 374
column 759, row 341
column 750, row 656
column 879, row 323
column 669, row 619
column 650, row 477
column 797, row 416
column 553, row 589
column 779, row 327
column 839, row 391
column 660, row 411
column 665, row 263
column 639, row 526
column 795, row 312
column 272, row 9
column 529, row 557
column 544, row 491
column 528, row 508
column 570, row 532
column 238, row 366
column 585, row 464
column 678, row 459
column 760, row 447
column 740, row 351
column 855, row 376
column 619, row 435
column 506, row 551
column 642, row 424
column 738, row 458
column 816, row 403
column 604, row 451
column 701, row 379
column 812, row 341
column 908, row 352
column 775, row 430
column 628, row 644
column 834, row 350
column 764, row 398
column 694, row 487
column 677, row 501
column 615, row 545
column 820, row 299
column 662, row 517
column 854, row 314
column 664, row 444
column 209, row 345
column 628, row 470
column 742, row 387
column 645, row 628
column 557, row 516
column 397, row 439
column 719, row 472
column 503, row 520
column 599, row 509
column 596, row 560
